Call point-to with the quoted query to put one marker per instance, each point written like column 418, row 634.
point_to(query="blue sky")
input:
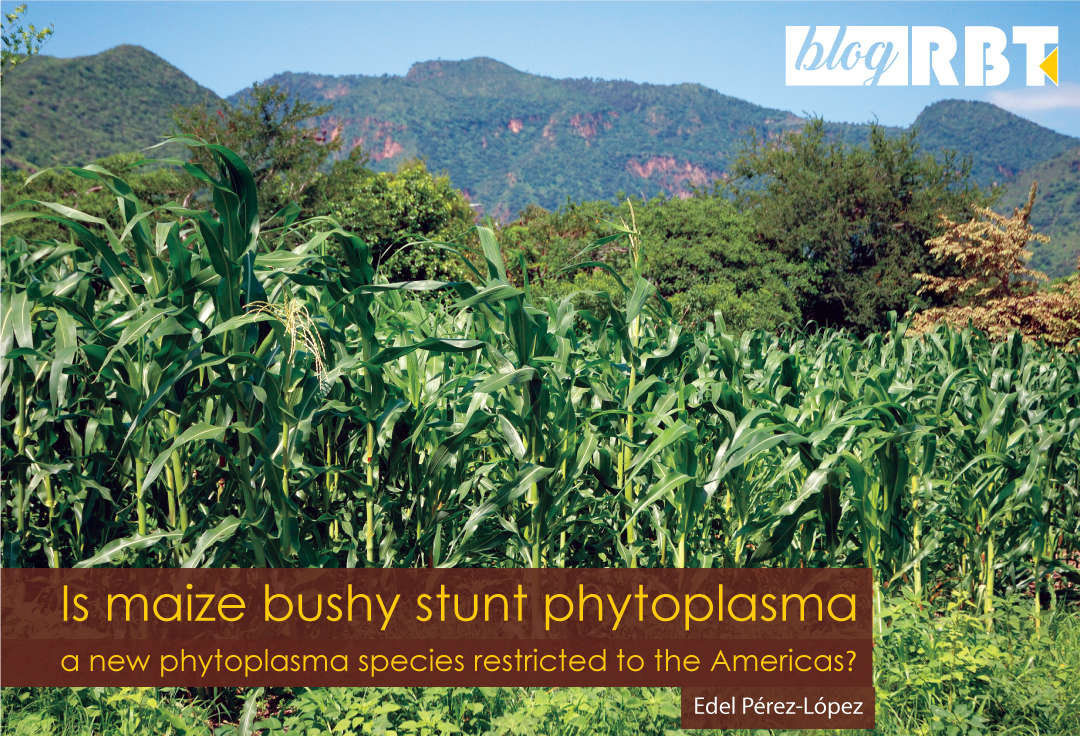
column 734, row 47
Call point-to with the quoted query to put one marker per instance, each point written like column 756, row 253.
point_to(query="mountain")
column 1002, row 145
column 1056, row 212
column 73, row 111
column 508, row 138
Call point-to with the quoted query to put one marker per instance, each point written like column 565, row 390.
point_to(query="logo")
column 873, row 56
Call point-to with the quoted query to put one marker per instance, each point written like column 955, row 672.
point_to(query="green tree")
column 392, row 212
column 857, row 215
column 698, row 251
column 271, row 132
column 19, row 43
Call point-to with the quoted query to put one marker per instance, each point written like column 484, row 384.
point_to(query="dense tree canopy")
column 698, row 252
column 394, row 212
column 857, row 215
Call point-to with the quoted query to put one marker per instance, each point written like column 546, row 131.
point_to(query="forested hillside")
column 1001, row 145
column 64, row 112
column 511, row 139
column 506, row 137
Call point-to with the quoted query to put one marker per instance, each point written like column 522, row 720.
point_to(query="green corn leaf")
column 664, row 488
column 225, row 529
column 666, row 438
column 489, row 295
column 993, row 421
column 639, row 391
column 18, row 316
column 642, row 291
column 513, row 439
column 197, row 433
column 121, row 547
column 783, row 533
column 432, row 345
column 496, row 266
column 503, row 380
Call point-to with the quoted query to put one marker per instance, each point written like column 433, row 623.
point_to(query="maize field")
column 194, row 388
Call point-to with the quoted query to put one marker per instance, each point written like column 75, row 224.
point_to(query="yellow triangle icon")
column 1049, row 66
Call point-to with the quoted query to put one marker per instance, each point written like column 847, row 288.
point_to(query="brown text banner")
column 550, row 628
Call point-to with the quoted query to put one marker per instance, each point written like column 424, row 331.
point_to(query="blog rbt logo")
column 879, row 55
